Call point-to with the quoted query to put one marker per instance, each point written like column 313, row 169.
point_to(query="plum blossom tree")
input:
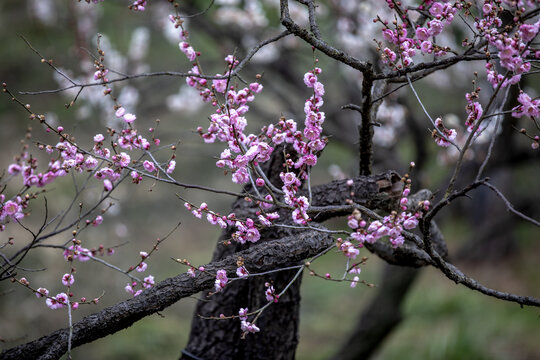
column 276, row 229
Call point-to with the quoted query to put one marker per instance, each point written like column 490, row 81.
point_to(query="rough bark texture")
column 279, row 248
column 259, row 258
column 214, row 339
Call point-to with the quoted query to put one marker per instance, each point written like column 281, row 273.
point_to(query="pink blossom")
column 240, row 176
column 289, row 178
column 77, row 252
column 389, row 35
column 14, row 169
column 352, row 223
column 107, row 185
column 90, row 162
column 436, row 9
column 397, row 242
column 527, row 107
column 57, row 302
column 42, row 292
column 318, row 89
column 170, row 167
column 142, row 267
column 221, row 280
column 149, row 166
column 138, row 5
column 426, row 47
column 68, row 279
column 246, row 326
column 349, row 250
column 410, row 223
column 220, row 84
column 264, row 221
column 242, row 314
column 129, row 287
column 187, row 50
column 529, row 31
column 310, row 79
column 389, row 55
column 252, row 235
column 435, row 27
column 121, row 160
column 148, row 282
column 242, row 272
column 271, row 293
column 97, row 221
column 129, row 118
column 12, row 209
column 119, row 113
column 355, row 281
column 136, row 177
column 255, row 87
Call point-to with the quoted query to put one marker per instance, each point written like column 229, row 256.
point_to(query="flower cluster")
column 61, row 299
column 526, row 107
column 184, row 45
column 391, row 225
column 221, row 280
column 76, row 252
column 246, row 230
column 307, row 145
column 246, row 326
column 11, row 209
column 147, row 283
column 512, row 50
column 405, row 47
column 242, row 272
column 474, row 110
column 57, row 302
column 509, row 49
column 70, row 158
column 270, row 293
column 138, row 5
column 442, row 135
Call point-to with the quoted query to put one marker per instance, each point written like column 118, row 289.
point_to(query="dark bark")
column 259, row 258
column 279, row 322
column 210, row 339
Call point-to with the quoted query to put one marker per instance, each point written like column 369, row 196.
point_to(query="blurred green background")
column 442, row 320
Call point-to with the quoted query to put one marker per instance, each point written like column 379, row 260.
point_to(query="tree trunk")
column 278, row 338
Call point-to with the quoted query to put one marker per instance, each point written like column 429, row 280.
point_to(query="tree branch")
column 321, row 45
column 262, row 257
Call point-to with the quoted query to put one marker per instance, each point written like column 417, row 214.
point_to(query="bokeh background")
column 442, row 320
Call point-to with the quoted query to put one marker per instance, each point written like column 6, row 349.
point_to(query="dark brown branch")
column 456, row 275
column 262, row 257
column 321, row 45
column 399, row 75
column 314, row 27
